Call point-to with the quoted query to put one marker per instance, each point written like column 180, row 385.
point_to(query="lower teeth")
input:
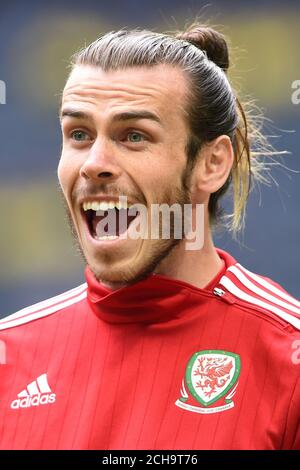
column 106, row 237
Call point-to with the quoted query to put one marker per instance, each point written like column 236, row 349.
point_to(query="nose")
column 101, row 163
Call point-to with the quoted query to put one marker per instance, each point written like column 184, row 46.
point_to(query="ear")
column 213, row 165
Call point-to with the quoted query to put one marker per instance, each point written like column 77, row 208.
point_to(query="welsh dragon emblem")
column 212, row 373
column 210, row 376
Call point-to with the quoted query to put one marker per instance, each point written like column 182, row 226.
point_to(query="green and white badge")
column 211, row 376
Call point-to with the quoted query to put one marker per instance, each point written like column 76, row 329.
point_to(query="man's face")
column 124, row 134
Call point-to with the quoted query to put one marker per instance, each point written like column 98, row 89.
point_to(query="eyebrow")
column 74, row 114
column 129, row 115
column 125, row 116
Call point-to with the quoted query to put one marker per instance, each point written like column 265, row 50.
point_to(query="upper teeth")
column 104, row 205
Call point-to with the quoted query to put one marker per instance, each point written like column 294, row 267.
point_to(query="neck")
column 196, row 267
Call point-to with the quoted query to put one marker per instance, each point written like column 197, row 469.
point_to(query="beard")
column 69, row 219
column 158, row 250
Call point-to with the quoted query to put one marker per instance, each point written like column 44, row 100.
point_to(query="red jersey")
column 159, row 364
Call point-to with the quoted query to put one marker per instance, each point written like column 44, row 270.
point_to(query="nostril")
column 105, row 174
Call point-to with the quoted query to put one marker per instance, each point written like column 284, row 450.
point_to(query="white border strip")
column 263, row 282
column 45, row 303
column 43, row 313
column 231, row 287
column 262, row 293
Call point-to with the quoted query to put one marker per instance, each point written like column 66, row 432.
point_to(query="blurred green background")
column 37, row 256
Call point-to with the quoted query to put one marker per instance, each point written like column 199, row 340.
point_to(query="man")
column 165, row 347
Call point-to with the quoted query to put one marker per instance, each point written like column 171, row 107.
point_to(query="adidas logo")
column 36, row 393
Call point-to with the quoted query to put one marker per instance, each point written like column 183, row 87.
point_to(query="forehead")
column 161, row 87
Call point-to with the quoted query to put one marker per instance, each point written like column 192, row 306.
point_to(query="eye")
column 135, row 137
column 79, row 136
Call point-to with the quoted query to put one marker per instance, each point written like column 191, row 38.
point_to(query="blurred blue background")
column 37, row 256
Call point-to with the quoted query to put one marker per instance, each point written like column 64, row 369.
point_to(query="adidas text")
column 35, row 400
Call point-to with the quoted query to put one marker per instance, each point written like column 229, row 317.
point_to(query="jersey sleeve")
column 292, row 433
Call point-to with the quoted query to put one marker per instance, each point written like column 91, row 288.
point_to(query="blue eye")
column 135, row 137
column 79, row 136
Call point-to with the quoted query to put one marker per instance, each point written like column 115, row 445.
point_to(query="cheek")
column 61, row 173
column 66, row 173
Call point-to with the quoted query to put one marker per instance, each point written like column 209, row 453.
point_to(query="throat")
column 198, row 268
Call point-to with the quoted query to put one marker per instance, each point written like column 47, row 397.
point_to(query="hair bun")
column 210, row 41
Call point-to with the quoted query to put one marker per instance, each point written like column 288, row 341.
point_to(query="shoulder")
column 261, row 294
column 45, row 308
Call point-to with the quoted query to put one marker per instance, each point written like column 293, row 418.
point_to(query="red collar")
column 153, row 300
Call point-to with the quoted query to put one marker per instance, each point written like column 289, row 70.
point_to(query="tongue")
column 113, row 222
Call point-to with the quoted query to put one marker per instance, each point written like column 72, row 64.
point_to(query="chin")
column 116, row 276
column 131, row 270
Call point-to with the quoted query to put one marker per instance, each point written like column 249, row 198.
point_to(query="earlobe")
column 214, row 165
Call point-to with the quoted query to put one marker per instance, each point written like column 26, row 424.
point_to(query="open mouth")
column 108, row 220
